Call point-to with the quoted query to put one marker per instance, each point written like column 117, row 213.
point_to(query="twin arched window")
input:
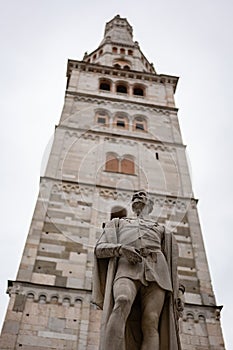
column 116, row 164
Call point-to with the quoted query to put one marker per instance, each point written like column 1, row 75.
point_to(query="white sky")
column 191, row 39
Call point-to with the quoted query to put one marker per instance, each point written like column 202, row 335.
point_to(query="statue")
column 136, row 284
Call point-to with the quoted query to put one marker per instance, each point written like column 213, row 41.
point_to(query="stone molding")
column 119, row 103
column 161, row 200
column 49, row 294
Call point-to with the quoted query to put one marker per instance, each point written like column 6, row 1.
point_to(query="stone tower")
column 118, row 132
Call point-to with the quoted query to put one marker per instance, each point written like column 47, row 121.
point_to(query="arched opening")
column 130, row 52
column 138, row 91
column 126, row 67
column 127, row 166
column 118, row 212
column 139, row 124
column 121, row 122
column 122, row 89
column 102, row 118
column 112, row 163
column 117, row 66
column 114, row 49
column 105, row 85
column 122, row 51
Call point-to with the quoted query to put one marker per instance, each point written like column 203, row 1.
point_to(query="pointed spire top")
column 117, row 49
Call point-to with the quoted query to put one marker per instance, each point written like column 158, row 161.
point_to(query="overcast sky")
column 190, row 39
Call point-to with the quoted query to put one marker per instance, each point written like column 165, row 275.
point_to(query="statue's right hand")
column 131, row 255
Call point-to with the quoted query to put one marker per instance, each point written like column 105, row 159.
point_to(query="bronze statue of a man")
column 136, row 284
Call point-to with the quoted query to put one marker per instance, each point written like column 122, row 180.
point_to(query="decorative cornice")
column 96, row 68
column 96, row 98
column 108, row 134
column 49, row 294
column 110, row 192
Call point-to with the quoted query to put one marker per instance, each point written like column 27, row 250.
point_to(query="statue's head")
column 141, row 201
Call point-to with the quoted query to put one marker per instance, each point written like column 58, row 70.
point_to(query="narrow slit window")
column 157, row 155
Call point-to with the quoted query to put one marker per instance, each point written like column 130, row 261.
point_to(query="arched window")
column 121, row 122
column 94, row 57
column 138, row 90
column 42, row 299
column 139, row 124
column 54, row 299
column 118, row 212
column 122, row 88
column 124, row 165
column 127, row 165
column 122, row 51
column 114, row 49
column 122, row 64
column 101, row 52
column 105, row 85
column 30, row 296
column 112, row 163
column 102, row 118
column 130, row 52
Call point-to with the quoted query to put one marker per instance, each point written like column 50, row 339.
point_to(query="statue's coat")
column 103, row 277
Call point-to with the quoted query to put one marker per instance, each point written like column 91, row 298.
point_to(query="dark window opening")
column 114, row 49
column 120, row 123
column 138, row 91
column 105, row 86
column 122, row 89
column 122, row 51
column 130, row 52
column 118, row 212
column 139, row 126
column 101, row 120
column 101, row 52
column 157, row 155
column 117, row 66
column 126, row 67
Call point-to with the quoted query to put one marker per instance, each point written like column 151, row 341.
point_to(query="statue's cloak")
column 103, row 278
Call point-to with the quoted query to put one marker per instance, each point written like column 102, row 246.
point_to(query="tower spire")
column 118, row 49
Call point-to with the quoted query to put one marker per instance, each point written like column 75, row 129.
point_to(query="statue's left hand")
column 131, row 255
